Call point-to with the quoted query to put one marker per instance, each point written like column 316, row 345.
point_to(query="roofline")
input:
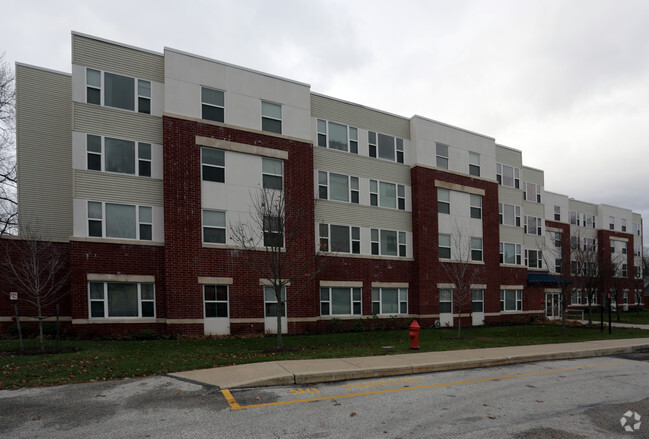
column 31, row 66
column 453, row 126
column 510, row 148
column 116, row 43
column 356, row 104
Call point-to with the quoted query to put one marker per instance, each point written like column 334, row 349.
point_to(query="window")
column 574, row 218
column 623, row 270
column 444, row 246
column 574, row 243
column 337, row 187
column 441, row 154
column 533, row 225
column 510, row 253
column 271, row 117
column 389, row 301
column 387, row 147
column 212, row 104
column 590, row 244
column 623, row 224
column 474, row 164
column 213, row 227
column 336, row 301
column 443, row 200
column 476, row 249
column 216, row 300
column 118, row 155
column 532, row 192
column 445, row 301
column 636, row 229
column 121, row 299
column 589, row 221
column 637, row 249
column 508, row 175
column 557, row 213
column 271, row 173
column 558, row 265
column 477, row 300
column 509, row 214
column 118, row 91
column 388, row 242
column 213, row 165
column 388, row 195
column 575, row 297
column 273, row 231
column 343, row 239
column 557, row 239
column 270, row 301
column 476, row 206
column 337, row 136
column 611, row 223
column 511, row 300
column 119, row 221
column 637, row 271
column 534, row 258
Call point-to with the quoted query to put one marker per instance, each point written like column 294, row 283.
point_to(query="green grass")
column 107, row 360
column 632, row 317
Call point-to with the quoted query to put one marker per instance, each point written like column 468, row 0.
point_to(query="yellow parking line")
column 234, row 405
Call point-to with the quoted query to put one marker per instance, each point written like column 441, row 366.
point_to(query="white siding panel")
column 93, row 185
column 332, row 212
column 122, row 124
column 360, row 166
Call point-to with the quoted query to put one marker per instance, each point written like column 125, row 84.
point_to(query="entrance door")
column 477, row 307
column 216, row 320
column 552, row 305
column 271, row 309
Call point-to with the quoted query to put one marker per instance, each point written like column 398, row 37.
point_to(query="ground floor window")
column 477, row 300
column 270, row 301
column 336, row 301
column 216, row 300
column 575, row 297
column 389, row 301
column 445, row 301
column 511, row 300
column 121, row 299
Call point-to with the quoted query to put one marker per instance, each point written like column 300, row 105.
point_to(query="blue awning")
column 544, row 279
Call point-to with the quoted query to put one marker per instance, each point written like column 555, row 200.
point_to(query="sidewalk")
column 302, row 372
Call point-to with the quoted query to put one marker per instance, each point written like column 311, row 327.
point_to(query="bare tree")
column 39, row 271
column 556, row 257
column 8, row 203
column 584, row 265
column 270, row 241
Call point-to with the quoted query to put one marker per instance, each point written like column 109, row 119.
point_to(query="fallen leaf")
column 352, row 414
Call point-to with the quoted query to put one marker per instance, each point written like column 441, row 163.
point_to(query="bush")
column 27, row 329
column 147, row 334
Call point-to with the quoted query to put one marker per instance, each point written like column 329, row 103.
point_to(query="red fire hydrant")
column 414, row 335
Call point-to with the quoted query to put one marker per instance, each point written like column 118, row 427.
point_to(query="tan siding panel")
column 112, row 122
column 360, row 166
column 44, row 150
column 115, row 58
column 358, row 116
column 91, row 185
column 331, row 212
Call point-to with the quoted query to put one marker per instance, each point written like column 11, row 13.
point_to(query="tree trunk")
column 40, row 329
column 564, row 301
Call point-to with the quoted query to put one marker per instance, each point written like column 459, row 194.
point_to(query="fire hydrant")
column 414, row 335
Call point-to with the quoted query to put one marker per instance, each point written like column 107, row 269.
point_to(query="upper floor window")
column 590, row 244
column 343, row 239
column 509, row 215
column 533, row 225
column 116, row 155
column 273, row 231
column 474, row 164
column 476, row 206
column 213, row 165
column 574, row 218
column 556, row 236
column 388, row 242
column 589, row 221
column 213, row 226
column 510, row 253
column 623, row 224
column 532, row 192
column 637, row 249
column 557, row 213
column 534, row 258
column 508, row 175
column 636, row 229
column 444, row 247
column 385, row 147
column 112, row 90
column 441, row 155
column 122, row 221
column 337, row 187
column 271, row 117
column 337, row 136
column 387, row 195
column 476, row 249
column 212, row 104
column 272, row 173
column 611, row 222
column 443, row 200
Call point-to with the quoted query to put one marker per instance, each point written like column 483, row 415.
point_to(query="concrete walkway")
column 302, row 372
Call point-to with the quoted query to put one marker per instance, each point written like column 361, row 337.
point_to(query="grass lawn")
column 106, row 360
column 634, row 317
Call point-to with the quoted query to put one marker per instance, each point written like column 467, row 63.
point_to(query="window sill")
column 117, row 320
column 117, row 241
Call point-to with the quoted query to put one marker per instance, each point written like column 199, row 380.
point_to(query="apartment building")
column 139, row 163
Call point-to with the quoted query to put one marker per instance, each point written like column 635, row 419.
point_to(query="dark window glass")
column 94, row 96
column 94, row 228
column 144, row 105
column 97, row 309
column 147, row 309
column 213, row 113
column 146, row 232
column 211, row 173
column 214, row 235
column 119, row 91
column 94, row 162
column 272, row 182
column 271, row 125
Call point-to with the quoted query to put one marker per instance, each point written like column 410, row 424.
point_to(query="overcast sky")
column 566, row 82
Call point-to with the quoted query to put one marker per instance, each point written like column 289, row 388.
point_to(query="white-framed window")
column 636, row 229
column 476, row 249
column 611, row 223
column 121, row 299
column 575, row 297
column 637, row 248
column 508, row 175
column 624, row 270
column 270, row 302
column 477, row 300
column 441, row 155
column 533, row 225
column 509, row 214
column 511, row 300
column 623, row 247
column 474, row 164
column 476, row 206
column 212, row 104
column 556, row 237
column 389, row 301
column 214, row 226
column 574, row 218
column 385, row 147
column 273, row 231
column 271, row 117
column 557, row 213
column 532, row 192
column 510, row 253
column 123, row 221
column 534, row 258
column 213, row 165
column 118, row 91
column 589, row 221
column 637, row 271
column 590, row 244
column 623, row 224
column 341, row 239
column 337, row 187
column 388, row 242
column 444, row 246
column 337, row 136
column 272, row 173
column 117, row 155
column 340, row 301
column 216, row 300
column 625, row 297
column 445, row 301
column 443, row 201
column 388, row 195
column 558, row 265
